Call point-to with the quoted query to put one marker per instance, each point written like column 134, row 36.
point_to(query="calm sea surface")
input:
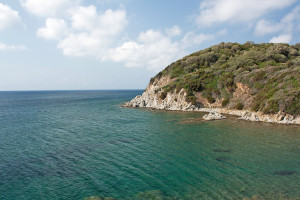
column 77, row 144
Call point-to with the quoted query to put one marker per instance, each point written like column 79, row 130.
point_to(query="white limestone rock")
column 213, row 116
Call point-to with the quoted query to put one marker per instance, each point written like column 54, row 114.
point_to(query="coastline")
column 143, row 101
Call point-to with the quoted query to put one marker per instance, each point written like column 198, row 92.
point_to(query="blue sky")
column 114, row 44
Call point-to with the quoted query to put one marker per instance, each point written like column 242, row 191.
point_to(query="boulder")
column 213, row 116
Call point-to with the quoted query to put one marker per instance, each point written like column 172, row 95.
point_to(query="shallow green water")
column 72, row 145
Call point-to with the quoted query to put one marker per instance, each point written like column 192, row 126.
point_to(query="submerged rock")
column 150, row 195
column 284, row 172
column 213, row 116
column 99, row 198
column 222, row 150
column 222, row 159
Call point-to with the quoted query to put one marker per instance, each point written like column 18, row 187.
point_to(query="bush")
column 294, row 107
column 210, row 99
column 272, row 107
column 163, row 95
column 152, row 80
column 239, row 106
column 255, row 107
column 191, row 99
column 225, row 102
column 259, row 76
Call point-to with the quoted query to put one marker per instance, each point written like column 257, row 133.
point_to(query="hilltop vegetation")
column 270, row 71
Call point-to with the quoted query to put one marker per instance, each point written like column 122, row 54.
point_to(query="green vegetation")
column 225, row 102
column 270, row 71
column 239, row 106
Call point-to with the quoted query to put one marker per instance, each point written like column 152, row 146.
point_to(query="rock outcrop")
column 213, row 116
column 151, row 98
column 176, row 101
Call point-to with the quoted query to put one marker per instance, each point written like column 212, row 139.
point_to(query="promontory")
column 258, row 82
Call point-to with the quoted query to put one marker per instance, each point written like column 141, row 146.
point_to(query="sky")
column 121, row 44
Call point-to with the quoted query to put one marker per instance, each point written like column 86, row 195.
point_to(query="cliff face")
column 246, row 80
column 177, row 101
column 151, row 98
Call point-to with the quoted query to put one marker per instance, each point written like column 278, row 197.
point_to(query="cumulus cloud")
column 84, row 18
column 264, row 27
column 8, row 17
column 92, row 33
column 54, row 29
column 154, row 50
column 191, row 39
column 285, row 38
column 83, row 31
column 47, row 8
column 286, row 24
column 82, row 44
column 4, row 47
column 87, row 19
column 218, row 11
column 174, row 31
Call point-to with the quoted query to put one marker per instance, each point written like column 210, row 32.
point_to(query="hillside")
column 262, row 78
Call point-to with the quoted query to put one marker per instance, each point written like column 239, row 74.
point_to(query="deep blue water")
column 77, row 144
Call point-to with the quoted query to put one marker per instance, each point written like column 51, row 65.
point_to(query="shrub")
column 225, row 102
column 210, row 99
column 163, row 95
column 239, row 106
column 272, row 107
column 191, row 99
column 259, row 76
column 152, row 80
column 294, row 107
column 256, row 106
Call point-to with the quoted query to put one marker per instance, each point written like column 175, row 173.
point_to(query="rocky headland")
column 257, row 82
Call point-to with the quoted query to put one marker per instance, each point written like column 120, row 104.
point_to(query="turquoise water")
column 77, row 144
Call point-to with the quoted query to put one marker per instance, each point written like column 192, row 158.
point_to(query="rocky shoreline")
column 176, row 102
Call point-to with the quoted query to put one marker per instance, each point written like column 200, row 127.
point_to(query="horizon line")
column 53, row 90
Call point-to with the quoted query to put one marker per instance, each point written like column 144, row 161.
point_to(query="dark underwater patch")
column 284, row 172
column 222, row 159
column 222, row 150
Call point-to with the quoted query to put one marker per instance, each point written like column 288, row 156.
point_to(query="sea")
column 73, row 145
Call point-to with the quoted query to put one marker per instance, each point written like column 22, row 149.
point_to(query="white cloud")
column 82, row 44
column 285, row 38
column 154, row 50
column 48, row 8
column 4, row 47
column 84, row 18
column 8, row 17
column 55, row 29
column 174, row 31
column 223, row 32
column 264, row 27
column 92, row 33
column 287, row 24
column 218, row 11
column 192, row 39
column 87, row 19
column 85, row 32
